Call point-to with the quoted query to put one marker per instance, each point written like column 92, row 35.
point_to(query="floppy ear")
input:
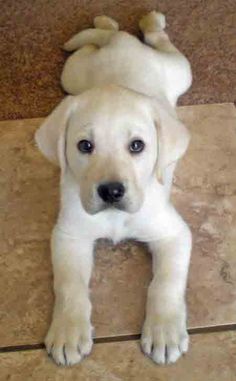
column 50, row 136
column 173, row 137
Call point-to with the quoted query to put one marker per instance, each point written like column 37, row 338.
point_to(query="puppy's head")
column 114, row 142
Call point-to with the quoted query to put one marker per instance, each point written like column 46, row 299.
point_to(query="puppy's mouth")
column 114, row 206
column 123, row 206
column 106, row 206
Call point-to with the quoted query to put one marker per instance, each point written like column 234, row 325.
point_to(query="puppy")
column 117, row 140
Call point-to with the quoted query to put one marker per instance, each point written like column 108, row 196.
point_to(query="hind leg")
column 76, row 77
column 105, row 28
column 152, row 25
column 178, row 71
column 105, row 22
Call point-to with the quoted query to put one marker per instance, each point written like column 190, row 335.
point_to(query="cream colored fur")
column 121, row 89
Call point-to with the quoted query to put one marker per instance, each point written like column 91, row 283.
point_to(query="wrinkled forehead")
column 111, row 112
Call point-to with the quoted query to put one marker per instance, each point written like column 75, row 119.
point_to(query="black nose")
column 111, row 192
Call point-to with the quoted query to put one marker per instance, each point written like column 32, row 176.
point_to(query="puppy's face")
column 111, row 150
column 114, row 142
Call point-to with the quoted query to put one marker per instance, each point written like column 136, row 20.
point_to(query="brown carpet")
column 32, row 33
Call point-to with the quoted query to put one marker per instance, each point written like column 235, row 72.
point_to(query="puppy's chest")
column 116, row 228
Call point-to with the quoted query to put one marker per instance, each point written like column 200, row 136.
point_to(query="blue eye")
column 85, row 146
column 136, row 146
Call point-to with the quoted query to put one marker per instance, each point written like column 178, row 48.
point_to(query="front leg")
column 164, row 335
column 70, row 334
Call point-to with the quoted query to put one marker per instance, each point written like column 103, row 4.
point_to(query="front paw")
column 165, row 338
column 69, row 339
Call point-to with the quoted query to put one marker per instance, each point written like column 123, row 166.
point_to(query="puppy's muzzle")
column 111, row 193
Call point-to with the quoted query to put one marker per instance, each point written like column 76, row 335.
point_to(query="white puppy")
column 117, row 140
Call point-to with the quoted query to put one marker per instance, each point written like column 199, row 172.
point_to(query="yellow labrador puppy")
column 117, row 139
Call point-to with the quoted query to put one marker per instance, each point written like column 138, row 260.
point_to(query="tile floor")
column 204, row 192
column 212, row 358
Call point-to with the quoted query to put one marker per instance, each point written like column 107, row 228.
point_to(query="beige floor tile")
column 211, row 358
column 205, row 193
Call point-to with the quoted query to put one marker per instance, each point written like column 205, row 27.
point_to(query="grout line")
column 18, row 348
column 212, row 329
column 121, row 338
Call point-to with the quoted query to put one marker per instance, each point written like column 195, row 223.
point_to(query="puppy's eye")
column 136, row 146
column 85, row 146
